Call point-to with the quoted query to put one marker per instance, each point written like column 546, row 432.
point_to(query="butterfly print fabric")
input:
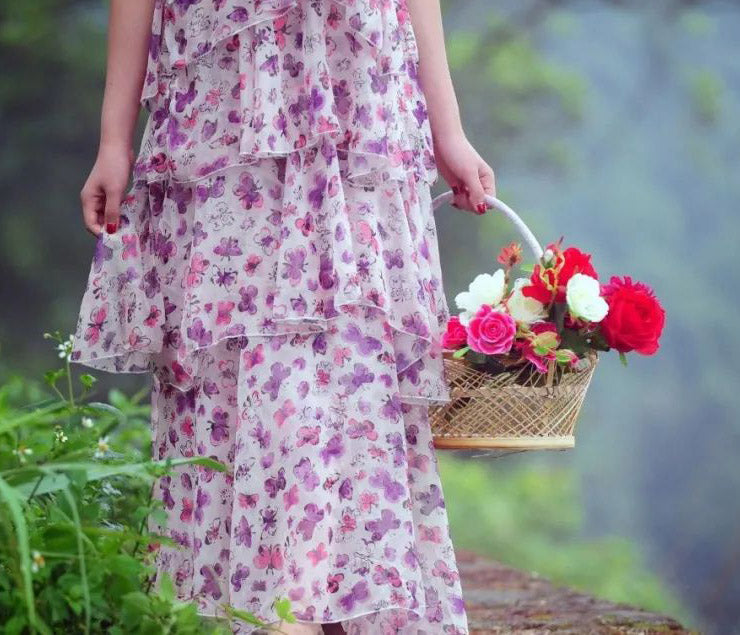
column 277, row 271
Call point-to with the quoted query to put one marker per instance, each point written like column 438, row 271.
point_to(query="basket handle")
column 510, row 214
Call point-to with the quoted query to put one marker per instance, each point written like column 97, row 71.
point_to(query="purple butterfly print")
column 199, row 334
column 184, row 5
column 227, row 248
column 342, row 97
column 334, row 449
column 410, row 370
column 185, row 401
column 354, row 44
column 431, row 499
column 393, row 491
column 208, row 130
column 293, row 66
column 210, row 583
column 294, row 265
column 434, row 612
column 219, row 426
column 224, row 277
column 163, row 247
column 365, row 344
column 270, row 66
column 358, row 594
column 214, row 189
column 248, row 297
column 378, row 81
column 151, row 283
column 240, row 575
column 420, row 112
column 393, row 258
column 327, row 275
column 165, row 484
column 278, row 373
column 306, row 475
column 313, row 516
column 202, row 500
column 185, row 99
column 181, row 194
column 274, row 484
column 182, row 41
column 102, row 254
column 207, row 168
column 248, row 192
column 353, row 381
column 345, row 489
column 238, row 15
column 243, row 532
column 175, row 137
column 381, row 526
column 316, row 193
column 415, row 323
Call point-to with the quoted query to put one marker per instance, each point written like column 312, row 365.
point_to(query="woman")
column 275, row 265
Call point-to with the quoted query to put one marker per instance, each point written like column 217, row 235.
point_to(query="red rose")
column 491, row 332
column 635, row 320
column 550, row 282
column 455, row 336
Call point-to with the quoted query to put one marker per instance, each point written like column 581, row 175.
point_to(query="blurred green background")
column 615, row 124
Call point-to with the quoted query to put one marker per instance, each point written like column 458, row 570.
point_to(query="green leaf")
column 49, row 483
column 87, row 380
column 167, row 588
column 527, row 268
column 623, row 359
column 15, row 507
column 461, row 352
column 282, row 608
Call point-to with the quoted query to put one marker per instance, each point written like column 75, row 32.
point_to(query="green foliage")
column 75, row 496
column 529, row 517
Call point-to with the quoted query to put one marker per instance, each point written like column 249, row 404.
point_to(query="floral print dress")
column 277, row 271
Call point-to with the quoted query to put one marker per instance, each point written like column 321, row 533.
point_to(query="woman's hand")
column 467, row 174
column 105, row 188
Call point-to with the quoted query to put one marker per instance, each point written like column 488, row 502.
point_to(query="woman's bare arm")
column 129, row 30
column 460, row 165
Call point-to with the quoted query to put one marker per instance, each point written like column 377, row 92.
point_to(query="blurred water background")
column 615, row 124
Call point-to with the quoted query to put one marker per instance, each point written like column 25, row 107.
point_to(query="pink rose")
column 455, row 336
column 491, row 332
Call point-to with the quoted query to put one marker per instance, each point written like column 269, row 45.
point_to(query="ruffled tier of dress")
column 268, row 78
column 279, row 183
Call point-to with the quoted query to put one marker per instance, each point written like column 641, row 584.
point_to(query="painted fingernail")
column 481, row 208
column 110, row 228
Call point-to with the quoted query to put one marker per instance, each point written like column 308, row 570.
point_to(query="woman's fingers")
column 113, row 197
column 92, row 208
column 476, row 193
column 487, row 179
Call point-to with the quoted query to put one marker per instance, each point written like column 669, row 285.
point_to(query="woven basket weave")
column 514, row 410
column 517, row 409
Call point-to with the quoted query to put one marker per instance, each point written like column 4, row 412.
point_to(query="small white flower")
column 103, row 448
column 65, row 348
column 484, row 289
column 22, row 452
column 60, row 436
column 87, row 422
column 583, row 295
column 522, row 308
column 37, row 561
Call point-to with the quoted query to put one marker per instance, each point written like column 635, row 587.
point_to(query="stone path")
column 501, row 599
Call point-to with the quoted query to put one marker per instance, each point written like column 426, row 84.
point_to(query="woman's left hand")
column 467, row 174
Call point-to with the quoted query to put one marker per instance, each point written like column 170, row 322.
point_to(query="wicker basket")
column 516, row 409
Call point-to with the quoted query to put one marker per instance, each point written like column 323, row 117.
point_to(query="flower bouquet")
column 521, row 353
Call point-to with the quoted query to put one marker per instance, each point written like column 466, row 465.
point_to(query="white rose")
column 583, row 295
column 484, row 289
column 522, row 308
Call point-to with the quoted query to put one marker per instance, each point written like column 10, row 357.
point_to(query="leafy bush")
column 76, row 486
